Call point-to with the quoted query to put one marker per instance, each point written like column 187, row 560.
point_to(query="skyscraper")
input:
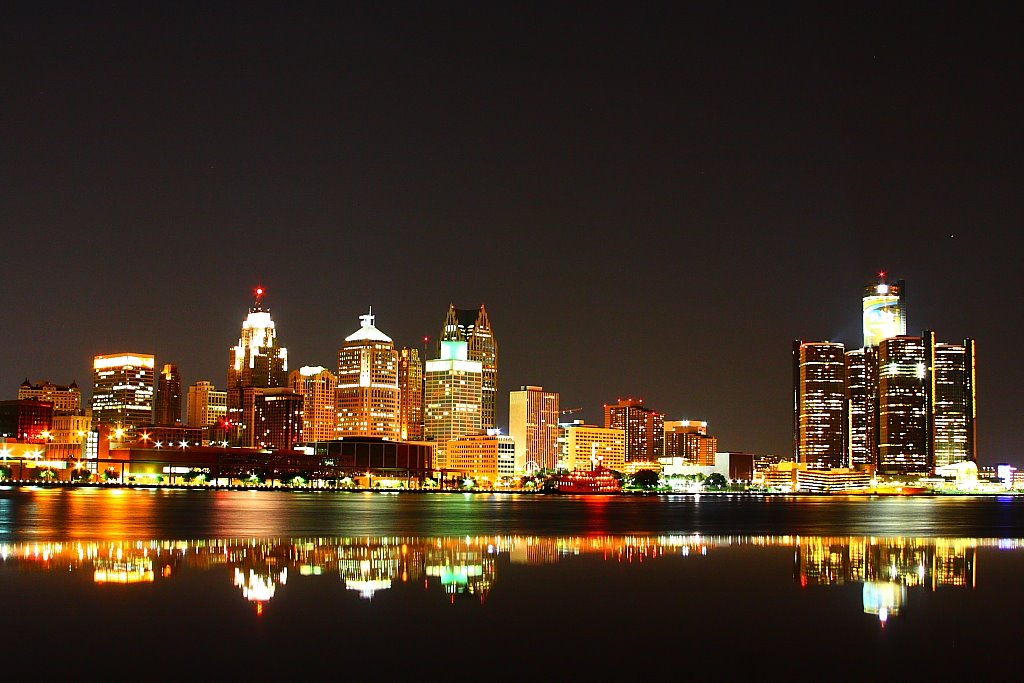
column 318, row 387
column 474, row 328
column 122, row 394
column 206, row 405
column 277, row 418
column 257, row 361
column 904, row 379
column 953, row 403
column 819, row 400
column 861, row 405
column 410, row 395
column 452, row 397
column 167, row 409
column 367, row 396
column 644, row 428
column 688, row 440
column 533, row 423
column 884, row 310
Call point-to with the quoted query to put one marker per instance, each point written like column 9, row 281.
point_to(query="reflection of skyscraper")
column 167, row 410
column 533, row 423
column 122, row 394
column 819, row 386
column 257, row 361
column 884, row 311
column 953, row 403
column 904, row 375
column 410, row 394
column 368, row 383
column 474, row 328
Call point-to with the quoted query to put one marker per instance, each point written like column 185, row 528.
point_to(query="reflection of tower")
column 257, row 361
column 474, row 328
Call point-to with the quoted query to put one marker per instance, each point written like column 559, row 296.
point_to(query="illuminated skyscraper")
column 206, row 405
column 819, row 387
column 257, row 361
column 644, row 428
column 953, row 403
column 904, row 379
column 367, row 397
column 277, row 418
column 884, row 309
column 689, row 441
column 318, row 387
column 167, row 409
column 410, row 395
column 452, row 397
column 533, row 423
column 122, row 394
column 66, row 400
column 474, row 328
column 861, row 405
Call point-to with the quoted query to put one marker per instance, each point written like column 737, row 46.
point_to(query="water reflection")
column 468, row 567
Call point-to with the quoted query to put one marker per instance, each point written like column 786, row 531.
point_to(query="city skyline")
column 657, row 221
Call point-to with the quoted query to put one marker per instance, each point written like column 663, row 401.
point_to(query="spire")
column 258, row 296
column 367, row 320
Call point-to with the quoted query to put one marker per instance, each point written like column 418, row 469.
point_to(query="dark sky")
column 651, row 200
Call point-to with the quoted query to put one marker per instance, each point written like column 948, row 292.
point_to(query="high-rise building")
column 533, row 423
column 861, row 405
column 819, row 400
column 206, row 405
column 953, row 403
column 479, row 456
column 318, row 387
column 278, row 418
column 474, row 328
column 884, row 310
column 452, row 397
column 904, row 380
column 257, row 361
column 167, row 408
column 644, row 428
column 590, row 446
column 66, row 400
column 410, row 395
column 122, row 394
column 688, row 440
column 367, row 397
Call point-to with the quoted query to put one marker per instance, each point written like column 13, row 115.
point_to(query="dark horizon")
column 651, row 200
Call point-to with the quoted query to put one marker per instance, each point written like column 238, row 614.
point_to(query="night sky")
column 651, row 200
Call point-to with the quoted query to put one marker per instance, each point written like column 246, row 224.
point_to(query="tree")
column 645, row 479
column 5, row 472
column 716, row 480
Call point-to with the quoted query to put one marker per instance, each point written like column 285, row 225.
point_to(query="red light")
column 259, row 291
column 881, row 273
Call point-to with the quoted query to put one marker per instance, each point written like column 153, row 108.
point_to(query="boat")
column 598, row 480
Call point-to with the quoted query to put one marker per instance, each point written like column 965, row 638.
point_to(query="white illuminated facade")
column 452, row 397
column 368, row 396
column 122, row 393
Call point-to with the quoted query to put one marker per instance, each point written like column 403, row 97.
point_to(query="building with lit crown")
column 884, row 310
column 644, row 428
column 367, row 396
column 318, row 387
column 452, row 397
column 258, row 361
column 474, row 328
column 410, row 395
column 533, row 423
column 819, row 401
column 167, row 406
column 688, row 440
column 122, row 394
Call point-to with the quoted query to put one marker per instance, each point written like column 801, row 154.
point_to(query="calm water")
column 260, row 585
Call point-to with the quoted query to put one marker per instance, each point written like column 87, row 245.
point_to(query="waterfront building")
column 258, row 361
column 278, row 418
column 689, row 441
column 207, row 406
column 839, row 479
column 167, row 407
column 590, row 446
column 122, row 394
column 904, row 379
column 819, row 399
column 452, row 397
column 479, row 456
column 533, row 424
column 953, row 403
column 884, row 310
column 26, row 420
column 861, row 405
column 167, row 436
column 318, row 387
column 69, row 436
column 66, row 399
column 367, row 396
column 410, row 395
column 474, row 328
column 644, row 428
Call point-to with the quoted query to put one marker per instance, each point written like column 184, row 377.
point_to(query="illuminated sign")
column 122, row 360
column 883, row 318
